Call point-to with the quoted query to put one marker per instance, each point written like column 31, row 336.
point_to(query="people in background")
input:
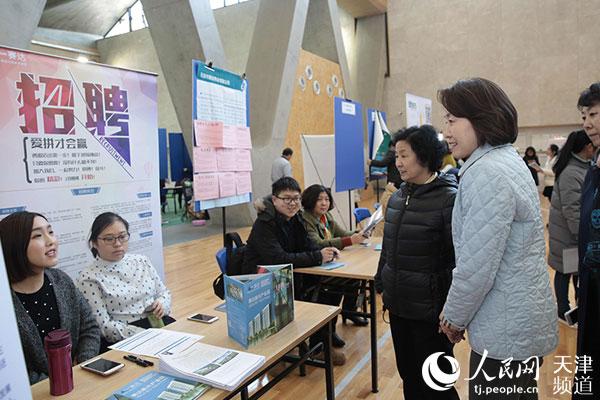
column 281, row 166
column 500, row 292
column 278, row 236
column 563, row 229
column 533, row 163
column 184, row 183
column 326, row 232
column 551, row 157
column 417, row 258
column 122, row 289
column 389, row 161
column 448, row 162
column 44, row 297
column 589, row 247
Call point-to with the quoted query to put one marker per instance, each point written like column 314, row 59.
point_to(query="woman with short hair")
column 417, row 258
column 323, row 229
column 589, row 248
column 500, row 291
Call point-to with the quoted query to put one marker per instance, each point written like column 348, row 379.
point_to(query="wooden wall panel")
column 311, row 113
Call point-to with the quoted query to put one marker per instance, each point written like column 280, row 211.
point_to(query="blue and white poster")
column 222, row 143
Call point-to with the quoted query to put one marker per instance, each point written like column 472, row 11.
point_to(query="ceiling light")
column 82, row 59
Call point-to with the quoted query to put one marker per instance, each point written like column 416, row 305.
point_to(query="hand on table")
column 329, row 254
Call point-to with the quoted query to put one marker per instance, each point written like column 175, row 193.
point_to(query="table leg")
column 329, row 383
column 377, row 190
column 302, row 350
column 373, row 311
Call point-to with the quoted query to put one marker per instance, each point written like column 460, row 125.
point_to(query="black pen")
column 139, row 361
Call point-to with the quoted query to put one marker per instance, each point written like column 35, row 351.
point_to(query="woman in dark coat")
column 415, row 268
column 589, row 251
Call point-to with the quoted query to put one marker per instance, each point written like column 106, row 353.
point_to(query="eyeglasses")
column 124, row 238
column 290, row 200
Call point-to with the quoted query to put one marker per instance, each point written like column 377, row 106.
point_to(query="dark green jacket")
column 341, row 237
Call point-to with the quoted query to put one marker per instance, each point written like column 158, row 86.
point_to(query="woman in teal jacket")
column 500, row 290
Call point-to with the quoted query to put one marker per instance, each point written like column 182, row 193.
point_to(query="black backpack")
column 234, row 254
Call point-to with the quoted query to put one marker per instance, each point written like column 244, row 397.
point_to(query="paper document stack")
column 216, row 366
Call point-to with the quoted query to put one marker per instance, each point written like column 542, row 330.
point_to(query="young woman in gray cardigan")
column 44, row 298
column 563, row 229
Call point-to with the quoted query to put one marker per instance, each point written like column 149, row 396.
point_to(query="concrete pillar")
column 271, row 70
column 183, row 30
column 369, row 65
column 18, row 22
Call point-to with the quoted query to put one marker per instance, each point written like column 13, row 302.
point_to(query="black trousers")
column 505, row 388
column 414, row 341
column 590, row 342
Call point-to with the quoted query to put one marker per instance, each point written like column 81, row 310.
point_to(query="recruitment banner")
column 77, row 140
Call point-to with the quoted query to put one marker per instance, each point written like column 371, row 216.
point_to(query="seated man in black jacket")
column 278, row 236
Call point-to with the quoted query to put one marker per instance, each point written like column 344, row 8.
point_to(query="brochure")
column 259, row 305
column 154, row 385
column 153, row 342
column 216, row 366
column 376, row 218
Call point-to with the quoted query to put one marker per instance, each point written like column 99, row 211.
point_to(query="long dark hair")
column 576, row 141
column 101, row 222
column 15, row 232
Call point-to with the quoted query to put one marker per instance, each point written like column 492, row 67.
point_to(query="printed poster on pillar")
column 77, row 140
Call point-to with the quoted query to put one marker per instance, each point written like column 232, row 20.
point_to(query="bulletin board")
column 222, row 143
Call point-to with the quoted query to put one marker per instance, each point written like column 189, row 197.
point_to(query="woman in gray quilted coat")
column 500, row 292
column 570, row 169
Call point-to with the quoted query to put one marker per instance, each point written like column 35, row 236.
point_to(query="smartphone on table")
column 102, row 366
column 204, row 318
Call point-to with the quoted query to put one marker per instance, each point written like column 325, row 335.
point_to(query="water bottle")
column 58, row 350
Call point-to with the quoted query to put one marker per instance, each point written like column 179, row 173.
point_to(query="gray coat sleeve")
column 89, row 332
column 570, row 197
column 489, row 213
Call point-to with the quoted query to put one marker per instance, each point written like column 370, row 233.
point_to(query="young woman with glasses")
column 123, row 289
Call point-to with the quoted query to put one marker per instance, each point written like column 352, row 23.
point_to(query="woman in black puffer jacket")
column 415, row 268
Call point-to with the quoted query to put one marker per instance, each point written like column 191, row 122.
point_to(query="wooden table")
column 308, row 319
column 361, row 264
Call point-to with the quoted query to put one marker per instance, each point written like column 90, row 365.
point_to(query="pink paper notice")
column 226, row 160
column 205, row 159
column 227, row 184
column 243, row 182
column 243, row 160
column 208, row 133
column 206, row 186
column 229, row 136
column 243, row 137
